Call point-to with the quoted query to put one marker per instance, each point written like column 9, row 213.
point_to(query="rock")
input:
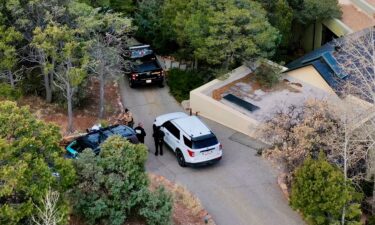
column 281, row 181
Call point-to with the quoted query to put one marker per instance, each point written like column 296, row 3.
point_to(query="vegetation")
column 218, row 33
column 9, row 93
column 321, row 192
column 31, row 158
column 113, row 186
column 267, row 74
column 182, row 82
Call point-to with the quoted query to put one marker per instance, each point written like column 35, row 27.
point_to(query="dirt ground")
column 86, row 115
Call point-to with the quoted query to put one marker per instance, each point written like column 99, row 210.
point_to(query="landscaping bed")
column 187, row 209
column 85, row 116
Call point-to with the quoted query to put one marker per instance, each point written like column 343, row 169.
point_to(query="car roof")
column 93, row 136
column 192, row 126
column 160, row 120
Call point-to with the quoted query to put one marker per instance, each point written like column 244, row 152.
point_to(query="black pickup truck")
column 142, row 66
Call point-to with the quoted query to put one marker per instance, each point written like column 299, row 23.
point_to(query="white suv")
column 191, row 140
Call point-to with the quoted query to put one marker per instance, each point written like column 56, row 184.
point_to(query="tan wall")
column 308, row 74
column 214, row 110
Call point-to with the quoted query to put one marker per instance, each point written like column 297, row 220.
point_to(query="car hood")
column 160, row 120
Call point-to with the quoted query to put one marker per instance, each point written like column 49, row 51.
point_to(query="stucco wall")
column 208, row 107
column 308, row 74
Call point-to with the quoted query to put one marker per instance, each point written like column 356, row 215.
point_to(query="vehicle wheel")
column 161, row 84
column 180, row 158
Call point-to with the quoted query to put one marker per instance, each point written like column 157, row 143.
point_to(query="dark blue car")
column 93, row 139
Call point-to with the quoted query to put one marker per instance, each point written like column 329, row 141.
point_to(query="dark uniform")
column 140, row 133
column 158, row 136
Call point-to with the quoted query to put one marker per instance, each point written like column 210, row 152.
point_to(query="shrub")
column 113, row 186
column 320, row 192
column 182, row 82
column 9, row 93
column 266, row 74
column 29, row 153
column 157, row 207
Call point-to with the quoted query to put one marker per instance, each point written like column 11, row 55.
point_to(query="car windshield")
column 204, row 142
column 123, row 131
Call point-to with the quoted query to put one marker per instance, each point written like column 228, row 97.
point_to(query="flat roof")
column 193, row 126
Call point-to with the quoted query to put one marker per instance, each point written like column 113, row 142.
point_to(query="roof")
column 167, row 117
column 193, row 126
column 327, row 60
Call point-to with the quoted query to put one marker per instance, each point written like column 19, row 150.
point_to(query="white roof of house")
column 193, row 126
column 167, row 117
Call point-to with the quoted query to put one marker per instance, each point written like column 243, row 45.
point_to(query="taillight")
column 134, row 76
column 221, row 147
column 191, row 153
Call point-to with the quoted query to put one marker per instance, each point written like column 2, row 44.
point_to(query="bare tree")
column 106, row 61
column 302, row 130
column 356, row 58
column 48, row 213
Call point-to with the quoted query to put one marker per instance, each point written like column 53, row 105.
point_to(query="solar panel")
column 240, row 102
column 331, row 62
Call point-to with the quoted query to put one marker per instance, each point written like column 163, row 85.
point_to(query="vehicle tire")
column 161, row 84
column 180, row 158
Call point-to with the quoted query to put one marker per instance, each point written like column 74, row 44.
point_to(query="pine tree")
column 320, row 192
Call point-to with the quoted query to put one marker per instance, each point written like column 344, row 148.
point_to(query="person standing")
column 140, row 133
column 160, row 140
column 158, row 136
column 129, row 118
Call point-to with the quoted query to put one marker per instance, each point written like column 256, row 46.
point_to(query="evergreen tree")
column 320, row 192
column 113, row 186
column 30, row 163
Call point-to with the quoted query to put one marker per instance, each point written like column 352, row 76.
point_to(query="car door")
column 172, row 135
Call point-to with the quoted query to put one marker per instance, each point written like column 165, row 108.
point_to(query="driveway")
column 239, row 190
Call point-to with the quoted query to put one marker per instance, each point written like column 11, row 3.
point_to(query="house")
column 238, row 102
column 357, row 15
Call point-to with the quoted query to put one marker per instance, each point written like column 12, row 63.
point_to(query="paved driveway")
column 239, row 190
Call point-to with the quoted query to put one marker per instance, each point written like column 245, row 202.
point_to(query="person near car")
column 140, row 133
column 126, row 118
column 158, row 136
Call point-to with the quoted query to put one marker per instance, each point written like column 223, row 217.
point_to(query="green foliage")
column 157, row 207
column 113, row 186
column 182, row 82
column 123, row 6
column 311, row 11
column 153, row 25
column 29, row 153
column 320, row 192
column 9, row 93
column 237, row 31
column 215, row 32
column 8, row 52
column 267, row 74
column 280, row 15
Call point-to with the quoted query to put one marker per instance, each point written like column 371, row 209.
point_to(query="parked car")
column 143, row 66
column 93, row 139
column 190, row 139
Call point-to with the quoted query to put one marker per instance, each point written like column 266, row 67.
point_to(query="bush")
column 113, row 186
column 29, row 153
column 9, row 93
column 320, row 192
column 182, row 82
column 157, row 207
column 267, row 75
